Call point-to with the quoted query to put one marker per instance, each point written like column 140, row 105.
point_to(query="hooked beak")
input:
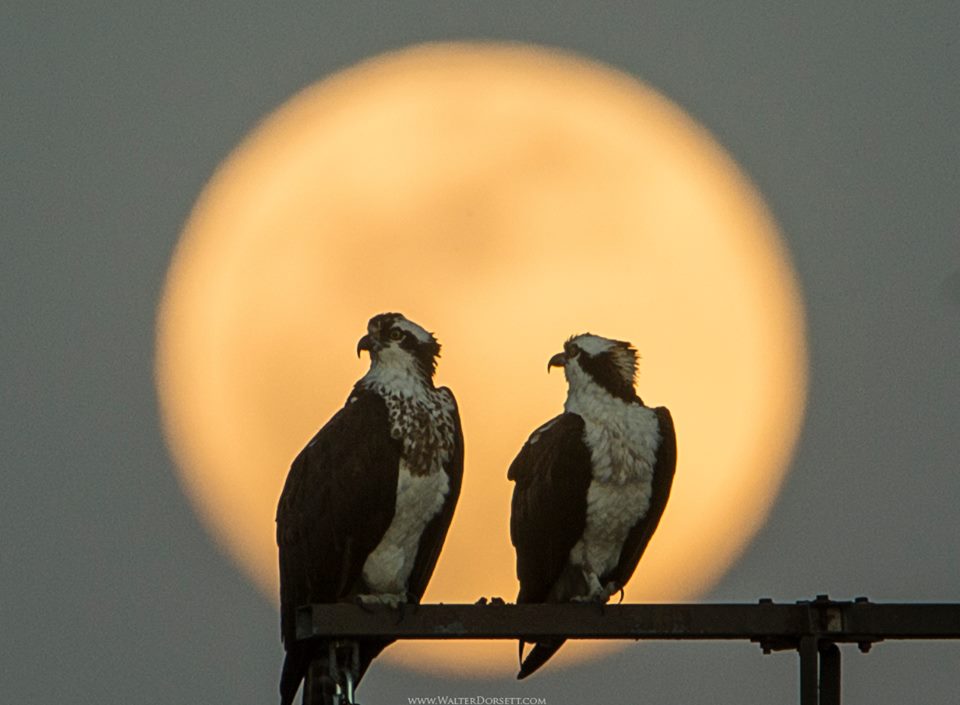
column 558, row 360
column 365, row 343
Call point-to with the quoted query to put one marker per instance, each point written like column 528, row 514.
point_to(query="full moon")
column 504, row 197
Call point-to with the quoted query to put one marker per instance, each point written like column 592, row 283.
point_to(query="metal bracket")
column 819, row 654
column 342, row 666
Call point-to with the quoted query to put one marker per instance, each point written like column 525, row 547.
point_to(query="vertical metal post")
column 829, row 674
column 320, row 683
column 809, row 681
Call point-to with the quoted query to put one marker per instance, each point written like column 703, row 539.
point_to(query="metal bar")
column 809, row 685
column 780, row 625
column 902, row 621
column 829, row 674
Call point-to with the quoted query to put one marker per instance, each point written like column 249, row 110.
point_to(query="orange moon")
column 504, row 197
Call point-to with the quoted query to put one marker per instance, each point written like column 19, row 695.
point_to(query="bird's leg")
column 602, row 604
column 600, row 594
column 609, row 589
column 596, row 594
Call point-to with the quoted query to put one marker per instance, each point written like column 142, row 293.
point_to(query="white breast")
column 623, row 440
column 419, row 499
column 423, row 420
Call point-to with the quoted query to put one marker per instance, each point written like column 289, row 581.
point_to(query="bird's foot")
column 390, row 599
column 596, row 593
column 594, row 598
column 598, row 600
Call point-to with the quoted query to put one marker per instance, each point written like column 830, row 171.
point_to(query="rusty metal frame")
column 812, row 628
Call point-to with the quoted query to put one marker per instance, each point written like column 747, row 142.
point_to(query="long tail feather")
column 319, row 687
column 309, row 662
column 539, row 655
column 295, row 666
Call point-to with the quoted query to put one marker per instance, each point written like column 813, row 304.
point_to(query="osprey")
column 591, row 484
column 367, row 503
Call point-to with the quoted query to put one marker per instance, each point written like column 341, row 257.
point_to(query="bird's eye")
column 396, row 334
column 573, row 352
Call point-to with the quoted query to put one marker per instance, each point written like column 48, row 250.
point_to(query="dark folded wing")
column 552, row 473
column 435, row 532
column 336, row 505
column 663, row 471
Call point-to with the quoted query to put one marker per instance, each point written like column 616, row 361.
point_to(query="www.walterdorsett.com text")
column 474, row 700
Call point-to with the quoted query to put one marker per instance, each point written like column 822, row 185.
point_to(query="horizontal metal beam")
column 774, row 625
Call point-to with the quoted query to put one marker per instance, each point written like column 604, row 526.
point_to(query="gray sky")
column 112, row 117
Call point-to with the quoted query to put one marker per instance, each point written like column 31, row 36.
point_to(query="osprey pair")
column 367, row 503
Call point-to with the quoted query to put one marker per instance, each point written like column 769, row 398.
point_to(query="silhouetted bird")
column 367, row 503
column 591, row 484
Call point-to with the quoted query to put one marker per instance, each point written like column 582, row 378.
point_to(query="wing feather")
column 337, row 503
column 435, row 532
column 552, row 473
column 642, row 531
